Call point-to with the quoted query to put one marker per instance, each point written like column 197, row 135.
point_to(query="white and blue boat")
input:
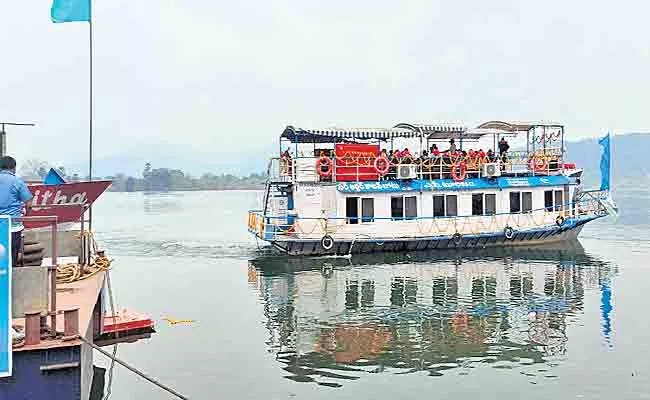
column 344, row 191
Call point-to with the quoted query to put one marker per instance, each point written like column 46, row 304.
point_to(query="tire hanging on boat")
column 508, row 232
column 457, row 238
column 559, row 221
column 33, row 252
column 327, row 242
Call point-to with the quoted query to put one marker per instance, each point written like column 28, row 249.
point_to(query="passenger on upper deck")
column 452, row 146
column 490, row 156
column 406, row 155
column 285, row 162
column 434, row 150
column 503, row 148
column 14, row 199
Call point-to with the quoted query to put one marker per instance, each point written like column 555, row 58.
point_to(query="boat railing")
column 444, row 166
column 29, row 295
column 287, row 227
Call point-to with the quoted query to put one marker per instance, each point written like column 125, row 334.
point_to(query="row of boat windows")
column 406, row 207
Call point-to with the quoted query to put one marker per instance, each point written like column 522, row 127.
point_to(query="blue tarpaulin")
column 53, row 178
column 5, row 297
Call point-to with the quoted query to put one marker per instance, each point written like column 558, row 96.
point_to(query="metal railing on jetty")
column 278, row 228
column 444, row 166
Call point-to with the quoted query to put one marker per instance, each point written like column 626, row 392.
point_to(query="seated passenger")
column 490, row 156
column 406, row 155
column 434, row 150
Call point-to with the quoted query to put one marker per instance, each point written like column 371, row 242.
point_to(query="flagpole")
column 90, row 133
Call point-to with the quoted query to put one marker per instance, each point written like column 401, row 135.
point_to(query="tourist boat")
column 343, row 192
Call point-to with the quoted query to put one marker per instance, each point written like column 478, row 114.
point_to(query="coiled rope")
column 72, row 272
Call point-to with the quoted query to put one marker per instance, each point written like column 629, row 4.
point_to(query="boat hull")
column 344, row 247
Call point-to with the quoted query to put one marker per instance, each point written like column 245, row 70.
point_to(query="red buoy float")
column 324, row 166
column 459, row 172
column 381, row 165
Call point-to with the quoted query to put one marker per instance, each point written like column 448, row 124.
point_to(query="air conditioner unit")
column 406, row 171
column 491, row 170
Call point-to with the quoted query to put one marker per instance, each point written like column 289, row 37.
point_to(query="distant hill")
column 630, row 157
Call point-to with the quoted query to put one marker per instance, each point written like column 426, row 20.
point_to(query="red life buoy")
column 381, row 165
column 538, row 164
column 324, row 162
column 459, row 172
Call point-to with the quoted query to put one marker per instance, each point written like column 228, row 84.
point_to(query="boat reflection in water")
column 334, row 319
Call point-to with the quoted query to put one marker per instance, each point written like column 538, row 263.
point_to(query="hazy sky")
column 212, row 76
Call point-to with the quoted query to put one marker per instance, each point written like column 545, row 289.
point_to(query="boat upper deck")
column 344, row 155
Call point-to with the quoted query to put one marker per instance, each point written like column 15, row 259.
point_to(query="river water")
column 547, row 322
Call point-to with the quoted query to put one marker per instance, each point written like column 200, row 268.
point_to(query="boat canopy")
column 447, row 131
column 336, row 135
column 410, row 130
column 517, row 126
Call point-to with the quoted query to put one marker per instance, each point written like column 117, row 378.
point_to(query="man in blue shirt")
column 14, row 196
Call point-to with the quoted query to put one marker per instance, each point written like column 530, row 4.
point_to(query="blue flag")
column 70, row 10
column 604, row 163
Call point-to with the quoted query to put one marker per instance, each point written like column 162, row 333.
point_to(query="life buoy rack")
column 459, row 172
column 324, row 161
column 538, row 164
column 559, row 221
column 379, row 161
column 509, row 232
column 327, row 242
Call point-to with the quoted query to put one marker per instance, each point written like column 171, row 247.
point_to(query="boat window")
column 526, row 201
column 558, row 200
column 367, row 210
column 548, row 200
column 438, row 206
column 515, row 202
column 411, row 207
column 352, row 210
column 452, row 205
column 490, row 204
column 397, row 207
column 477, row 204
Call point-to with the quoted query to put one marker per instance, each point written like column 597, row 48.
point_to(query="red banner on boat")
column 355, row 162
column 66, row 201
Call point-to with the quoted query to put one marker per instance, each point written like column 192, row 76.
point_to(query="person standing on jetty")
column 14, row 198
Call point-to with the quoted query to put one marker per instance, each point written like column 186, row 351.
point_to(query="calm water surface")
column 562, row 322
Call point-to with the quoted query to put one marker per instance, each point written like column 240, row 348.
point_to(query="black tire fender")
column 327, row 242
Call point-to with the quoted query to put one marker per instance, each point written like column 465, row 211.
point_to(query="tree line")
column 152, row 179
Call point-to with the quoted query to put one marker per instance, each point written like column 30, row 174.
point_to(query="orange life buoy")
column 379, row 161
column 324, row 161
column 459, row 172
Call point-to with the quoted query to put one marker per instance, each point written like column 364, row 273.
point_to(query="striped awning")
column 336, row 135
column 443, row 131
